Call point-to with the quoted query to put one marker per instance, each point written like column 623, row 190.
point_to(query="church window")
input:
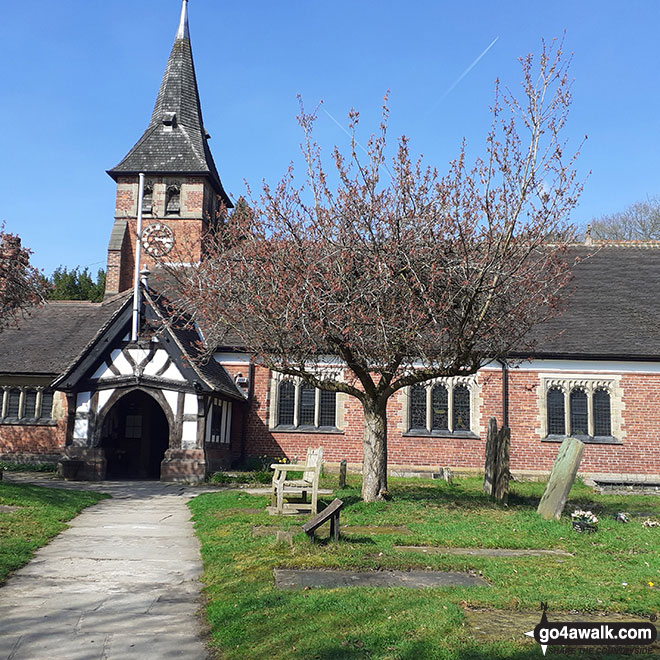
column 25, row 405
column 301, row 405
column 441, row 407
column 133, row 426
column 579, row 412
column 556, row 414
column 582, row 407
column 173, row 200
column 14, row 403
column 286, row 403
column 30, row 405
column 602, row 420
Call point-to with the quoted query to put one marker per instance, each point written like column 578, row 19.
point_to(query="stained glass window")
column 602, row 424
column 461, row 413
column 556, row 412
column 439, row 409
column 579, row 415
column 418, row 407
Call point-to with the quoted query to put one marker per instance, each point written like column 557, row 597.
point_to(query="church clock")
column 157, row 239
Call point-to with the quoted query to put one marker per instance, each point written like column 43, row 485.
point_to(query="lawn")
column 250, row 619
column 41, row 514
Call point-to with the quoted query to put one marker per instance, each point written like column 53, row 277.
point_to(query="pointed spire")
column 175, row 141
column 183, row 31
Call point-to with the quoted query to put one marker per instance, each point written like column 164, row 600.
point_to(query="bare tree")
column 21, row 285
column 403, row 274
column 638, row 222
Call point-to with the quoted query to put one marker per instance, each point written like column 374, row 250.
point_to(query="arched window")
column 556, row 412
column 461, row 412
column 579, row 412
column 418, row 407
column 440, row 408
column 602, row 421
column 173, row 200
column 287, row 395
column 307, row 405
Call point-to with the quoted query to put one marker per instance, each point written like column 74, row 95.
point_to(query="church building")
column 79, row 385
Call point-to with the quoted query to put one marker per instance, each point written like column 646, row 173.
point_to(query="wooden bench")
column 331, row 513
column 290, row 495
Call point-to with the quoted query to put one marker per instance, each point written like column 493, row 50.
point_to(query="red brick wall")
column 639, row 453
column 33, row 439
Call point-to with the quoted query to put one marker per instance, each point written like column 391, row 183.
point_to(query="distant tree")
column 76, row 284
column 401, row 273
column 638, row 222
column 21, row 285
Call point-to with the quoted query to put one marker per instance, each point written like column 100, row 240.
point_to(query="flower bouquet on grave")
column 584, row 521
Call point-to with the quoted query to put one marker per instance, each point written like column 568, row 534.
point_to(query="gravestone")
column 561, row 479
column 342, row 474
column 496, row 468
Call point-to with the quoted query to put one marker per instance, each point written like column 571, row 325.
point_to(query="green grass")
column 249, row 619
column 42, row 515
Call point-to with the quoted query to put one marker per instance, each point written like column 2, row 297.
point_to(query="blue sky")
column 79, row 79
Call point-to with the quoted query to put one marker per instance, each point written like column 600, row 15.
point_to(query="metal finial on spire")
column 183, row 32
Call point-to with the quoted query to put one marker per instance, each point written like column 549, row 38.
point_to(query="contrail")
column 458, row 80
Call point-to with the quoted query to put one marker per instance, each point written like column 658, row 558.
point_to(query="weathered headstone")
column 502, row 474
column 342, row 474
column 496, row 468
column 561, row 479
column 284, row 537
column 491, row 456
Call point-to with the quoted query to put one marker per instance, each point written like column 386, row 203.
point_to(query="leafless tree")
column 403, row 274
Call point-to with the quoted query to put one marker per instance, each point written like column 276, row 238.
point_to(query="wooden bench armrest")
column 291, row 466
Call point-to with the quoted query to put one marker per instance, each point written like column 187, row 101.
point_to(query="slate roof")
column 181, row 145
column 613, row 311
column 50, row 339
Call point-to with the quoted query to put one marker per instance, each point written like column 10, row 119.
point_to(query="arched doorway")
column 135, row 436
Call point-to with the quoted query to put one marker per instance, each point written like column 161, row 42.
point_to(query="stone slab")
column 495, row 625
column 483, row 552
column 8, row 508
column 301, row 579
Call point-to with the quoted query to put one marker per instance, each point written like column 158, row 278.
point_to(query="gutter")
column 505, row 393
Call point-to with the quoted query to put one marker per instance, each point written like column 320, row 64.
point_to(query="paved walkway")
column 121, row 583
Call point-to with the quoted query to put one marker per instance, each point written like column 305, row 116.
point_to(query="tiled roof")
column 613, row 310
column 175, row 141
column 53, row 336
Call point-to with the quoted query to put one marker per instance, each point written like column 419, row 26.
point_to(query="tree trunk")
column 374, row 449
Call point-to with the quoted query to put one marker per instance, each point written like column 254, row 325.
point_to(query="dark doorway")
column 135, row 436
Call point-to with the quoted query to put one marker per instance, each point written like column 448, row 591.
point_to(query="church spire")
column 175, row 141
column 183, row 32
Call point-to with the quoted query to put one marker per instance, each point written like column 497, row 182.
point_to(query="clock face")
column 157, row 239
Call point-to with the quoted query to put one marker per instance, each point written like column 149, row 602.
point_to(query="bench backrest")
column 314, row 459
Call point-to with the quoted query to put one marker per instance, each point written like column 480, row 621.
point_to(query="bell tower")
column 183, row 194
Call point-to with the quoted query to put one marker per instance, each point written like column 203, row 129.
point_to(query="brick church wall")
column 638, row 453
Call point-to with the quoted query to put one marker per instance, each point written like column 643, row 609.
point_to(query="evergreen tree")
column 76, row 284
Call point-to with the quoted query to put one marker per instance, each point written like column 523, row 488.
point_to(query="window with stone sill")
column 300, row 406
column 443, row 407
column 25, row 405
column 585, row 408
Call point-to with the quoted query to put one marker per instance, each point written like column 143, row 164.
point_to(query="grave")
column 332, row 579
column 484, row 552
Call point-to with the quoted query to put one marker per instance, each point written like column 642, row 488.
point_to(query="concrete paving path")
column 120, row 583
